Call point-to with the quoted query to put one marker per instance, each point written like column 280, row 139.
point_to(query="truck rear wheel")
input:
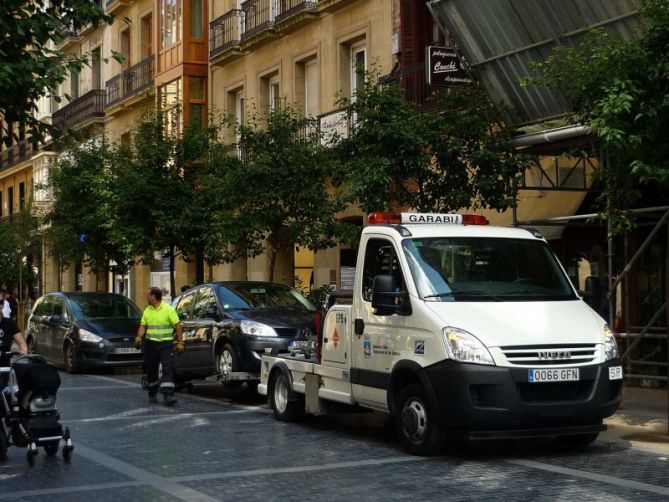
column 416, row 422
column 285, row 408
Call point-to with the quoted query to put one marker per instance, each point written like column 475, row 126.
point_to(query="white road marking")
column 602, row 478
column 113, row 418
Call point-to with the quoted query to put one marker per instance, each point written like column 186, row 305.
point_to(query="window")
column 239, row 110
column 74, row 84
column 170, row 99
column 10, row 200
column 197, row 96
column 311, row 89
column 96, row 68
column 22, row 196
column 358, row 68
column 380, row 258
column 170, row 13
column 205, row 304
column 147, row 36
column 196, row 18
column 274, row 96
column 183, row 308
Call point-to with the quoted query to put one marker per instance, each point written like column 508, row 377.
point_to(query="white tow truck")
column 457, row 326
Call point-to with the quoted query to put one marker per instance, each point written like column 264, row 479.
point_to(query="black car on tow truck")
column 229, row 325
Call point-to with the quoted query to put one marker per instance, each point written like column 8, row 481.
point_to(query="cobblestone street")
column 209, row 447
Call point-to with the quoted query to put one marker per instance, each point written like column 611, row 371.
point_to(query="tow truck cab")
column 456, row 325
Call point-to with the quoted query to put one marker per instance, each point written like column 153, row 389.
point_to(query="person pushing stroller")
column 10, row 333
column 156, row 328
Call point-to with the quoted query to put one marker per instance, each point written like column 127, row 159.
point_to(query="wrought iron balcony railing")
column 226, row 31
column 258, row 17
column 131, row 82
column 414, row 85
column 288, row 8
column 16, row 153
column 90, row 105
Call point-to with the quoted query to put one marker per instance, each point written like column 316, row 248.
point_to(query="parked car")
column 229, row 325
column 85, row 330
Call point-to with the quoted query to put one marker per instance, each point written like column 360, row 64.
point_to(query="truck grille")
column 550, row 355
column 554, row 391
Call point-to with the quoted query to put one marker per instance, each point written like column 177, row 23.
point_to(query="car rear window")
column 103, row 306
column 261, row 295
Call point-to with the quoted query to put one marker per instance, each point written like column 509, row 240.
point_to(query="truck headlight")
column 465, row 347
column 610, row 344
column 87, row 336
column 257, row 329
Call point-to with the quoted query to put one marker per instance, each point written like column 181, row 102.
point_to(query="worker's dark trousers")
column 156, row 353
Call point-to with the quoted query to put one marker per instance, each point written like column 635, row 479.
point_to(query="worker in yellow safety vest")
column 156, row 330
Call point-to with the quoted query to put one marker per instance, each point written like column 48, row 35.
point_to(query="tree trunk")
column 273, row 252
column 173, row 287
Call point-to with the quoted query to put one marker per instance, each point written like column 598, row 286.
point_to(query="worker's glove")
column 138, row 342
column 180, row 347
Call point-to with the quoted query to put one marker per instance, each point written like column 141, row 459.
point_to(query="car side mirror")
column 56, row 319
column 593, row 292
column 387, row 301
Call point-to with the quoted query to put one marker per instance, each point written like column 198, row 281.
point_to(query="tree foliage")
column 83, row 221
column 444, row 158
column 619, row 89
column 20, row 242
column 276, row 188
column 30, row 62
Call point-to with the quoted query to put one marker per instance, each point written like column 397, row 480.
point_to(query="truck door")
column 377, row 340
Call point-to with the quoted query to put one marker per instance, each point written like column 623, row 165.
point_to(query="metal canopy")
column 499, row 39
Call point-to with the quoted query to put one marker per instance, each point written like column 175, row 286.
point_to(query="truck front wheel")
column 285, row 408
column 416, row 422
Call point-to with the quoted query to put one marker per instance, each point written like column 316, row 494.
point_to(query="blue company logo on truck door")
column 367, row 347
column 419, row 348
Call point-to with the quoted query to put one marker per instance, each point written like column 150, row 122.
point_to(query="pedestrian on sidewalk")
column 156, row 329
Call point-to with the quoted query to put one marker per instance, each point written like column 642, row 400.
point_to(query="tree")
column 619, row 90
column 276, row 189
column 165, row 200
column 20, row 243
column 436, row 159
column 30, row 62
column 83, row 221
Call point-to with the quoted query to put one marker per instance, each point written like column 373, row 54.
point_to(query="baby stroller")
column 28, row 413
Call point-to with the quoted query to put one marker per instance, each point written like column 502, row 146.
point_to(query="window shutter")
column 415, row 35
column 311, row 89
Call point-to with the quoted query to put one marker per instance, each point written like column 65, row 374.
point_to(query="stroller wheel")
column 51, row 449
column 67, row 453
column 31, row 454
column 3, row 443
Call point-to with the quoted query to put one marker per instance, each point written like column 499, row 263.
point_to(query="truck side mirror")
column 593, row 293
column 386, row 300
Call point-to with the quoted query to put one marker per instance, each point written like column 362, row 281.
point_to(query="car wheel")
column 578, row 440
column 285, row 408
column 70, row 358
column 416, row 421
column 226, row 361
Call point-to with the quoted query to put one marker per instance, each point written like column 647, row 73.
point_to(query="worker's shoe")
column 169, row 399
column 153, row 399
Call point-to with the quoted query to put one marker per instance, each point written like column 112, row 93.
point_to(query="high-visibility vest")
column 159, row 322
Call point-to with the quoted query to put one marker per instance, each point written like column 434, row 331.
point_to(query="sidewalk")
column 641, row 420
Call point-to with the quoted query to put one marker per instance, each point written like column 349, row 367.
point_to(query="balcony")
column 258, row 21
column 414, row 86
column 113, row 5
column 89, row 107
column 17, row 153
column 131, row 82
column 225, row 34
column 292, row 14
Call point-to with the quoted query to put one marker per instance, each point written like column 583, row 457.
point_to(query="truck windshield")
column 483, row 269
